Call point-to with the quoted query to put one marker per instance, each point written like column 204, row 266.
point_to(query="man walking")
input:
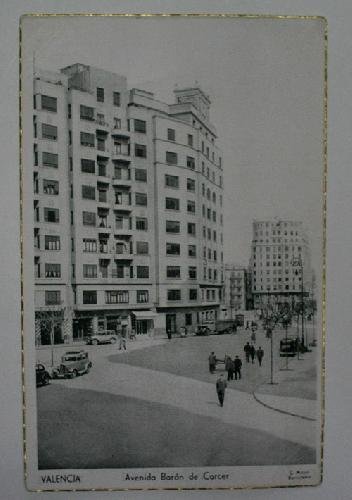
column 229, row 367
column 247, row 351
column 252, row 352
column 237, row 367
column 260, row 355
column 212, row 362
column 220, row 389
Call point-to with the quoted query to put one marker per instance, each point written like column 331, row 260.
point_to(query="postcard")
column 173, row 194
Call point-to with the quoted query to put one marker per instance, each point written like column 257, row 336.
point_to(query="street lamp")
column 298, row 262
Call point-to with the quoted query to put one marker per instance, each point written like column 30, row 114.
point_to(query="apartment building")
column 235, row 289
column 135, row 202
column 280, row 261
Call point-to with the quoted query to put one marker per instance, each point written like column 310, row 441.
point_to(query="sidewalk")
column 294, row 391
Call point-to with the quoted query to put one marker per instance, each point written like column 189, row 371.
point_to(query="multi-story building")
column 236, row 296
column 280, row 261
column 129, row 221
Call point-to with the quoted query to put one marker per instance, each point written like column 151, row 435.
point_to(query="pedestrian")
column 229, row 367
column 247, row 325
column 220, row 389
column 237, row 363
column 212, row 362
column 122, row 340
column 252, row 352
column 168, row 333
column 260, row 355
column 247, row 351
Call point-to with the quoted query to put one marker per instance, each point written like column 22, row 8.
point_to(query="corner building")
column 140, row 201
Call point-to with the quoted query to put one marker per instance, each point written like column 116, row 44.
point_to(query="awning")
column 145, row 314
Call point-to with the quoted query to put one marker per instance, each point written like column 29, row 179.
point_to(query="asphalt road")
column 84, row 423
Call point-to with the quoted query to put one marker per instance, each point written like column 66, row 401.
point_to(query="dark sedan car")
column 41, row 375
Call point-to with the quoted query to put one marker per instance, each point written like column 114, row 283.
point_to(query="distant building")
column 237, row 297
column 127, row 198
column 279, row 257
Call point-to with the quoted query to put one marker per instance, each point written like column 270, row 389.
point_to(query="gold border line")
column 324, row 239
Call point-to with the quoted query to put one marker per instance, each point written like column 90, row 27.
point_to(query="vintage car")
column 103, row 337
column 73, row 363
column 42, row 376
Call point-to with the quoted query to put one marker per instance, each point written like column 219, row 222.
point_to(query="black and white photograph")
column 173, row 247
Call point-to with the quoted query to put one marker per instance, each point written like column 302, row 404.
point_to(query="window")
column 50, row 187
column 142, row 296
column 51, row 215
column 171, row 158
column 172, row 226
column 188, row 319
column 171, row 134
column 173, row 249
column 174, row 295
column 87, row 166
column 193, row 294
column 49, row 132
column 89, row 218
column 173, row 272
column 50, row 159
column 140, row 126
column 89, row 297
column 88, row 192
column 116, row 297
column 171, row 181
column 191, row 206
column 141, row 223
column 191, row 228
column 52, row 242
column 87, row 139
column 191, row 162
column 89, row 270
column 117, row 122
column 142, row 271
column 192, row 251
column 89, row 245
column 172, row 203
column 140, row 175
column 214, row 216
column 52, row 271
column 52, row 297
column 86, row 113
column 190, row 140
column 140, row 150
column 191, row 185
column 116, row 97
column 141, row 199
column 142, row 247
column 49, row 103
column 208, row 213
column 192, row 272
column 100, row 94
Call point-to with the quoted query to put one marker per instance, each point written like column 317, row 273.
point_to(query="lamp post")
column 299, row 263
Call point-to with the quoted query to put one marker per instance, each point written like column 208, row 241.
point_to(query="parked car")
column 225, row 326
column 73, row 363
column 203, row 330
column 42, row 376
column 102, row 337
column 288, row 347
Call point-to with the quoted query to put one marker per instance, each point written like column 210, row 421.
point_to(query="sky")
column 265, row 81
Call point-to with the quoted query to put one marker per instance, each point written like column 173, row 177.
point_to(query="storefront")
column 142, row 322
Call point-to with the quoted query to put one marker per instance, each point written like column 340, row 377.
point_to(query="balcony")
column 120, row 132
column 122, row 179
column 104, row 228
column 122, row 255
column 102, row 126
column 121, row 153
column 103, row 201
column 122, row 203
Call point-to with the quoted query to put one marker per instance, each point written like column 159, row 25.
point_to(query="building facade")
column 280, row 261
column 127, row 206
column 235, row 290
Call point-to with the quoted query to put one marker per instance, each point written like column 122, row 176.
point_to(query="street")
column 156, row 405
